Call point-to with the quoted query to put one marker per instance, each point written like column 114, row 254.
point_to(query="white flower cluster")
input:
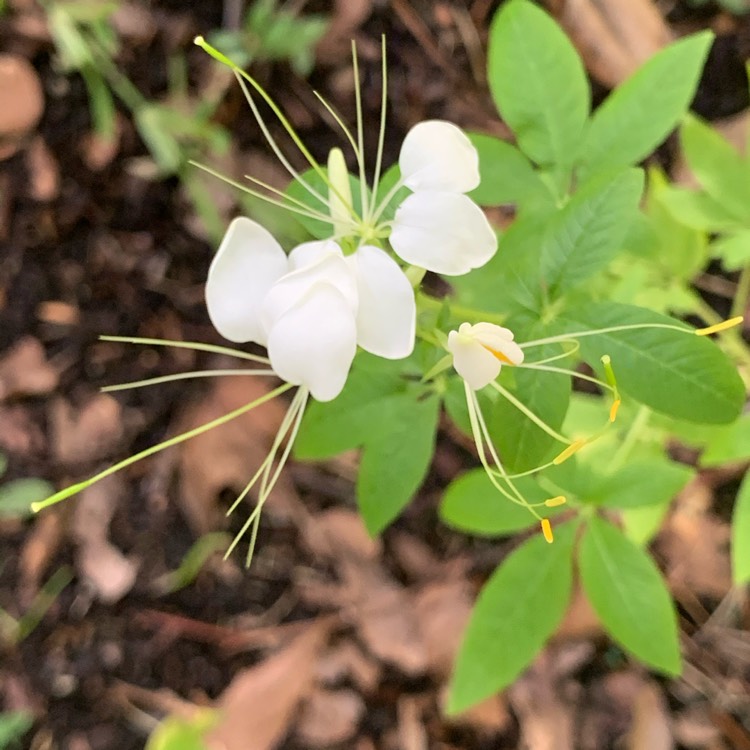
column 312, row 308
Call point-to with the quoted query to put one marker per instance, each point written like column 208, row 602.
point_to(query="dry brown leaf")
column 18, row 432
column 258, row 706
column 695, row 544
column 44, row 172
column 614, row 38
column 21, row 102
column 85, row 434
column 411, row 731
column 101, row 563
column 348, row 16
column 228, row 456
column 650, row 725
column 347, row 661
column 39, row 547
column 381, row 608
column 580, row 620
column 25, row 371
column 330, row 717
column 546, row 722
column 443, row 610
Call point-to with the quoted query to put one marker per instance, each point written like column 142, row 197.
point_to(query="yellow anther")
column 498, row 355
column 613, row 409
column 719, row 326
column 574, row 447
column 547, row 531
column 553, row 502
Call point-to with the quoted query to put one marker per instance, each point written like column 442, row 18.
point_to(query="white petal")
column 314, row 342
column 290, row 289
column 442, row 232
column 387, row 314
column 475, row 364
column 499, row 340
column 248, row 262
column 310, row 253
column 436, row 155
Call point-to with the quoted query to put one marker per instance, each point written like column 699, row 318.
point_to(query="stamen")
column 547, row 531
column 569, row 451
column 553, row 502
column 731, row 323
column 614, row 409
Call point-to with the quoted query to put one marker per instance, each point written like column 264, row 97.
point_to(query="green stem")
column 739, row 303
column 631, row 438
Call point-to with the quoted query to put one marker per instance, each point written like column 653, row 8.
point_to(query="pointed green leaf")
column 17, row 496
column 473, row 504
column 678, row 374
column 589, row 231
column 741, row 535
column 697, row 209
column 728, row 443
column 507, row 176
column 394, row 463
column 628, row 593
column 524, row 445
column 642, row 112
column 517, row 611
column 733, row 249
column 538, row 83
column 718, row 166
column 645, row 481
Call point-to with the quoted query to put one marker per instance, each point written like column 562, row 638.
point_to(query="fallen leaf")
column 613, row 39
column 346, row 661
column 25, row 371
column 44, row 172
column 411, row 731
column 651, row 727
column 100, row 562
column 329, row 717
column 258, row 706
column 86, row 434
column 21, row 102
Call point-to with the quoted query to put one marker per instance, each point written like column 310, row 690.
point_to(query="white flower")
column 479, row 352
column 438, row 227
column 312, row 308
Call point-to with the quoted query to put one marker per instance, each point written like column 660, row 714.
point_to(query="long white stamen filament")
column 275, row 147
column 386, row 200
column 598, row 331
column 381, row 131
column 505, row 393
column 564, row 371
column 182, row 376
column 360, row 134
column 480, row 433
column 193, row 345
column 340, row 122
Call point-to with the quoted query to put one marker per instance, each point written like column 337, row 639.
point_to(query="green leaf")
column 522, row 444
column 13, row 726
column 517, row 610
column 362, row 410
column 645, row 481
column 641, row 113
column 511, row 280
column 164, row 148
column 538, row 83
column 16, row 496
column 678, row 374
column 641, row 525
column 741, row 535
column 697, row 209
column 473, row 504
column 589, row 231
column 394, row 463
column 507, row 176
column 628, row 593
column 179, row 733
column 728, row 443
column 733, row 250
column 718, row 166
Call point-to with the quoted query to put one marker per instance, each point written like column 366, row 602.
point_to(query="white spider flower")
column 312, row 308
column 437, row 227
column 480, row 350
